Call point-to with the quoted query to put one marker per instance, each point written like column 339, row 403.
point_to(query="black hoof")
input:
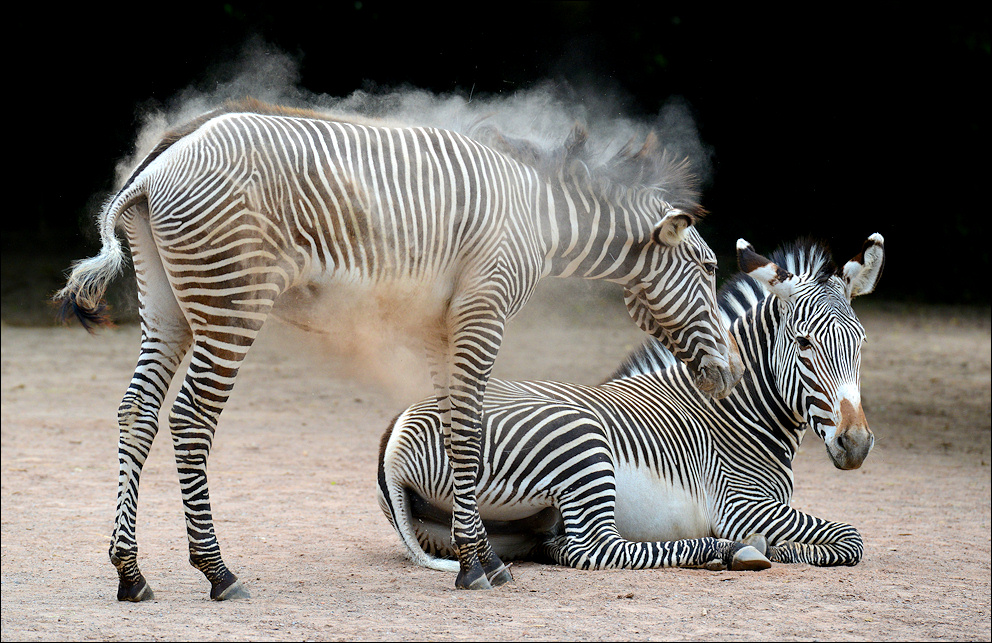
column 474, row 578
column 229, row 588
column 135, row 592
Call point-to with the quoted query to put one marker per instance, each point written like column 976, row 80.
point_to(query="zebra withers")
column 645, row 471
column 250, row 204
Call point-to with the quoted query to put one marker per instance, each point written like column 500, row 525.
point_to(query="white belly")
column 652, row 509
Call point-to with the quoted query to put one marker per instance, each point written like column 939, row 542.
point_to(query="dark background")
column 824, row 121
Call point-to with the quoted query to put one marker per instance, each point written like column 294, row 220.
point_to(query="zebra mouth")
column 848, row 451
column 844, row 461
column 716, row 377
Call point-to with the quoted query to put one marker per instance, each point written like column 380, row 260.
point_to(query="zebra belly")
column 492, row 509
column 650, row 508
column 335, row 301
column 514, row 531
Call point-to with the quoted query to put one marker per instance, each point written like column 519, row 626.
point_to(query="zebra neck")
column 588, row 235
column 757, row 400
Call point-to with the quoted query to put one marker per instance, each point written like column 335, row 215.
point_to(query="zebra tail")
column 404, row 526
column 394, row 500
column 82, row 297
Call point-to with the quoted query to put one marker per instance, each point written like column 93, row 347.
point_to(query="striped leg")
column 138, row 419
column 471, row 353
column 613, row 552
column 797, row 537
column 591, row 540
column 193, row 422
column 165, row 339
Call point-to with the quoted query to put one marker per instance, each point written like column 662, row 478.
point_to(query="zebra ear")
column 670, row 231
column 776, row 280
column 861, row 274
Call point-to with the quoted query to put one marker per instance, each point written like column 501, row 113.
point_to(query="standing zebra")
column 644, row 471
column 250, row 202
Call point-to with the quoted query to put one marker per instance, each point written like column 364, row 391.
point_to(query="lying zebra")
column 644, row 470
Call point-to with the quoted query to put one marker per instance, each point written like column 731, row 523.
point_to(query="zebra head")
column 816, row 355
column 673, row 298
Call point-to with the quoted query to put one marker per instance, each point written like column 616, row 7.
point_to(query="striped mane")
column 739, row 295
column 634, row 166
column 646, row 166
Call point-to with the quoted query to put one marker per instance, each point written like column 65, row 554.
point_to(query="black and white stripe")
column 644, row 470
column 250, row 203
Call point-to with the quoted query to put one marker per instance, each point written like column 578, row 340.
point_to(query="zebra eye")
column 804, row 343
column 710, row 268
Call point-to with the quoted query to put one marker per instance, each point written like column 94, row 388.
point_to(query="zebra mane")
column 806, row 257
column 648, row 165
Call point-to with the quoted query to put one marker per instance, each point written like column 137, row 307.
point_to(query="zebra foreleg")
column 846, row 548
column 714, row 554
column 791, row 536
column 591, row 541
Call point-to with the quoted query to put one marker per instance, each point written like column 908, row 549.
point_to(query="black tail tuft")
column 67, row 308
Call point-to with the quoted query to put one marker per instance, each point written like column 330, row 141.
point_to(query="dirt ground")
column 293, row 473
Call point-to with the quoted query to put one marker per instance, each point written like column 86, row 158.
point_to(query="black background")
column 823, row 120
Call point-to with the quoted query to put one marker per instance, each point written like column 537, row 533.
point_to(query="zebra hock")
column 241, row 210
column 644, row 470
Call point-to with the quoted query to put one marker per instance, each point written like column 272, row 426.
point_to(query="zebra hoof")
column 479, row 583
column 135, row 592
column 748, row 558
column 228, row 592
column 499, row 576
column 757, row 541
column 475, row 578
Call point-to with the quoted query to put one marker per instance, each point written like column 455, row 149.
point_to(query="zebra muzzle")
column 717, row 376
column 853, row 440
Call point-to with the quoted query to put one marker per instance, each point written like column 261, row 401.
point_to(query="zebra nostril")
column 841, row 443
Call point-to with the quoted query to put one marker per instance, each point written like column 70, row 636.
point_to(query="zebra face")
column 820, row 348
column 817, row 351
column 674, row 299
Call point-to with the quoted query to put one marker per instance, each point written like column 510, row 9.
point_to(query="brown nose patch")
column 851, row 417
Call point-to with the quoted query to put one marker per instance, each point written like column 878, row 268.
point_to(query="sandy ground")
column 293, row 486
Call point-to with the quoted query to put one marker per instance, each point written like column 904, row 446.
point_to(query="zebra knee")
column 129, row 411
column 138, row 423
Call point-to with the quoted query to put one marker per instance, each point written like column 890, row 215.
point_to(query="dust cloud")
column 365, row 337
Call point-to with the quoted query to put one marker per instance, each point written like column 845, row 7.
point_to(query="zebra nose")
column 853, row 440
column 852, row 448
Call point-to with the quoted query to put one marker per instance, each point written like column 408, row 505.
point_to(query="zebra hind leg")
column 165, row 339
column 138, row 419
column 193, row 422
